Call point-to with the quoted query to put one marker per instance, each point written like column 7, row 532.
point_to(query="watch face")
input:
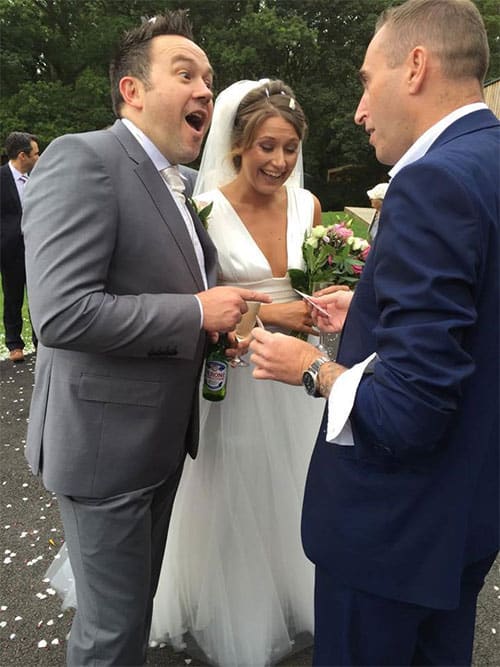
column 309, row 382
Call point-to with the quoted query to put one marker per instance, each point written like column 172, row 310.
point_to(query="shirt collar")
column 15, row 172
column 425, row 141
column 157, row 158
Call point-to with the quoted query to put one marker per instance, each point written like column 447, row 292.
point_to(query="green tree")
column 55, row 55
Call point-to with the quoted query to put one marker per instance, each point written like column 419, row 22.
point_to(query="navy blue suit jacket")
column 11, row 238
column 401, row 512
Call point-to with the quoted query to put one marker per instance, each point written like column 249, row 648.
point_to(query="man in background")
column 22, row 152
column 376, row 196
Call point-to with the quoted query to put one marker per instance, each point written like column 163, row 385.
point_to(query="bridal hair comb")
column 291, row 102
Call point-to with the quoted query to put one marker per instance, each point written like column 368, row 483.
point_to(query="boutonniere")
column 202, row 211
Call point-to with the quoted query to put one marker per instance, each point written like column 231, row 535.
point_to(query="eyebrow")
column 190, row 61
column 269, row 137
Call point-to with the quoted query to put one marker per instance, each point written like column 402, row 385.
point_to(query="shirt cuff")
column 340, row 402
column 201, row 311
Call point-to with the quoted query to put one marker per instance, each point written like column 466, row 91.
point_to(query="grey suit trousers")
column 129, row 531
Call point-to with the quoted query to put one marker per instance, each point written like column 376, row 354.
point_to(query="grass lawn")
column 359, row 228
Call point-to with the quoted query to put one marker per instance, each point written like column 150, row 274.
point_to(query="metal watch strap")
column 310, row 376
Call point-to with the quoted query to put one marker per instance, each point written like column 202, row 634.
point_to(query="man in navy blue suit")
column 22, row 151
column 401, row 506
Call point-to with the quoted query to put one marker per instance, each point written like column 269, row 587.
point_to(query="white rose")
column 311, row 241
column 318, row 232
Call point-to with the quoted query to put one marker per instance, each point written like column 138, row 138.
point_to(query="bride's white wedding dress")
column 234, row 575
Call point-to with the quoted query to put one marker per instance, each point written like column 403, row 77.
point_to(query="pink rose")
column 365, row 253
column 342, row 231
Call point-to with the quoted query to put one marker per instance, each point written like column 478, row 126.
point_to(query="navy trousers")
column 356, row 628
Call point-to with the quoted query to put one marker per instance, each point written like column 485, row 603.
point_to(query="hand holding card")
column 310, row 300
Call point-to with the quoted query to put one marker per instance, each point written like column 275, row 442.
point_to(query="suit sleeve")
column 71, row 223
column 427, row 269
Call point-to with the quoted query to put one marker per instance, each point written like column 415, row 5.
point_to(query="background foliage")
column 55, row 53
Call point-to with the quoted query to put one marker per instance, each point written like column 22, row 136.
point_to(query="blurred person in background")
column 22, row 153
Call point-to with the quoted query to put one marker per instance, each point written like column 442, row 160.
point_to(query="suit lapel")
column 10, row 183
column 165, row 204
column 208, row 246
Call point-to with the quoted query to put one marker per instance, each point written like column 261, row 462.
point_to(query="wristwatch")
column 310, row 376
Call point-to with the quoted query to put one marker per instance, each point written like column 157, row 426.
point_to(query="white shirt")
column 19, row 179
column 161, row 162
column 343, row 393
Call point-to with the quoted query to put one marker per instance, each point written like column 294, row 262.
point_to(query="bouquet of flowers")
column 331, row 254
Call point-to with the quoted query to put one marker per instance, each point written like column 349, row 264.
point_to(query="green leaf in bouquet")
column 299, row 280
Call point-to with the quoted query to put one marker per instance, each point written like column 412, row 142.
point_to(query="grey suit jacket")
column 111, row 274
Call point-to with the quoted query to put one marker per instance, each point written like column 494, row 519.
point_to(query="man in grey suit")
column 119, row 278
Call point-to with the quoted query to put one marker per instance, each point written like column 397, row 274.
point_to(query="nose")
column 204, row 92
column 361, row 112
column 278, row 157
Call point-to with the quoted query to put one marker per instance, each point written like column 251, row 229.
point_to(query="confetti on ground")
column 31, row 619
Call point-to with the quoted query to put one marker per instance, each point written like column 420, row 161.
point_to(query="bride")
column 234, row 576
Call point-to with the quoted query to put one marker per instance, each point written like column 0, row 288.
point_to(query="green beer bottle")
column 216, row 370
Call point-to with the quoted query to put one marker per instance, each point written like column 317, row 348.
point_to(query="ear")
column 418, row 67
column 132, row 90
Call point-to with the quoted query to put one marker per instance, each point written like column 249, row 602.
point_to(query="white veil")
column 216, row 168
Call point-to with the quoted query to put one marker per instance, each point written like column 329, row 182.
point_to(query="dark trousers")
column 356, row 628
column 13, row 284
column 115, row 547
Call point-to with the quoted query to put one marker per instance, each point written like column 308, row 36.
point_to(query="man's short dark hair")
column 132, row 57
column 19, row 142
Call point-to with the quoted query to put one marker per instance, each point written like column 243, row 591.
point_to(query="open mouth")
column 196, row 120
